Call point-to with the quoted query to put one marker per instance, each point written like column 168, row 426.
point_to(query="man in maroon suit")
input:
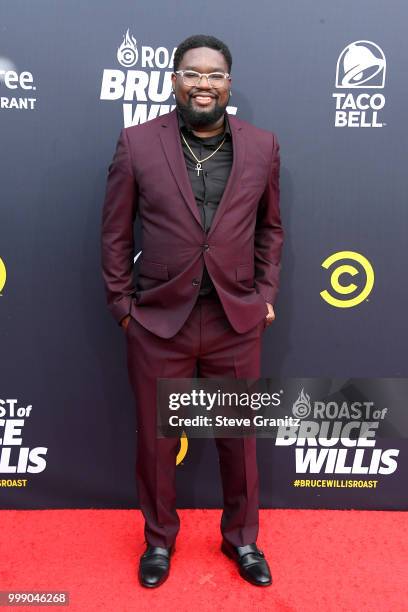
column 206, row 187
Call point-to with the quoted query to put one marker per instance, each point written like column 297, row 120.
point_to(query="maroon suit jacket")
column 242, row 250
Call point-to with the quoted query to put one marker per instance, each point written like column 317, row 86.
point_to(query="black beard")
column 197, row 119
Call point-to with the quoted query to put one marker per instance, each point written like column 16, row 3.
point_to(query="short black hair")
column 201, row 40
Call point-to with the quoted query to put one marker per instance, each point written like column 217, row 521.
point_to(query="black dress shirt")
column 208, row 185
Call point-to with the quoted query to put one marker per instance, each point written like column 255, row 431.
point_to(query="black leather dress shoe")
column 251, row 562
column 154, row 565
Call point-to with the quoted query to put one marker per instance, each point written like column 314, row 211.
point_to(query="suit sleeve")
column 119, row 213
column 269, row 233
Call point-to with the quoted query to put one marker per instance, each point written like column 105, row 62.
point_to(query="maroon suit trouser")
column 207, row 341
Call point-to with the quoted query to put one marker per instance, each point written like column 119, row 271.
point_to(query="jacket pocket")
column 152, row 269
column 245, row 272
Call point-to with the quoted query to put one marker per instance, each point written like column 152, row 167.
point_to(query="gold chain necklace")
column 199, row 161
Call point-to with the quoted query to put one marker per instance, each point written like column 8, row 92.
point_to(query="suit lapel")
column 238, row 158
column 170, row 139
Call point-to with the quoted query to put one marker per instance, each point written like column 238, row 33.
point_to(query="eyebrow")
column 211, row 69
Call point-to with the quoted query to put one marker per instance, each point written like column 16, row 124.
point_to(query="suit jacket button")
column 206, row 247
column 195, row 282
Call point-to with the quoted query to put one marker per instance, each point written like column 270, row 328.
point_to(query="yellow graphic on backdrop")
column 343, row 288
column 183, row 448
column 3, row 274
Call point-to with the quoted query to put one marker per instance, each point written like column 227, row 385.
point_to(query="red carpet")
column 320, row 560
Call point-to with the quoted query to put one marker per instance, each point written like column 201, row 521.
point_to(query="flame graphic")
column 127, row 52
column 301, row 408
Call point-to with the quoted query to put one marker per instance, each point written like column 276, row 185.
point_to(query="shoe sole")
column 229, row 554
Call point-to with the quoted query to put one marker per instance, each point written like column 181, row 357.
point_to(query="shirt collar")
column 186, row 129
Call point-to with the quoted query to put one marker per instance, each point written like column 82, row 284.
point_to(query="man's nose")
column 204, row 82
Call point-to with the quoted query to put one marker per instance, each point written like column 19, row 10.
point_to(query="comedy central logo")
column 361, row 65
column 127, row 52
column 301, row 407
column 350, row 293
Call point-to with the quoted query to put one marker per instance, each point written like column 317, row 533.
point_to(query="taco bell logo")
column 360, row 66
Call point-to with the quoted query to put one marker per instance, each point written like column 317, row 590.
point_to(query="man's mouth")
column 203, row 99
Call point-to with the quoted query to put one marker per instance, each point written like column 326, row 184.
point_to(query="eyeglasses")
column 191, row 78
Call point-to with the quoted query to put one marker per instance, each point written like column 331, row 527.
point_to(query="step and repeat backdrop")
column 330, row 80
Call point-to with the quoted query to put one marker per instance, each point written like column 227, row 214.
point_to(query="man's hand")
column 125, row 321
column 270, row 317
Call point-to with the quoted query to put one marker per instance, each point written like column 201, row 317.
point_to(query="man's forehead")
column 203, row 57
